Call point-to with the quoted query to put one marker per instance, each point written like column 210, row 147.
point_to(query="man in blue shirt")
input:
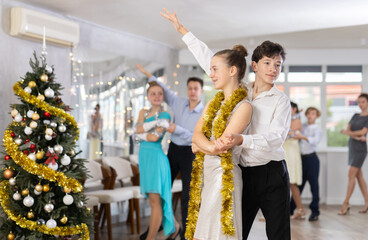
column 187, row 112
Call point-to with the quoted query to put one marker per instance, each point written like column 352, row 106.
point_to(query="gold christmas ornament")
column 38, row 188
column 71, row 153
column 64, row 219
column 32, row 84
column 23, row 124
column 8, row 173
column 25, row 192
column 44, row 78
column 41, row 97
column 67, row 190
column 11, row 236
column 40, row 154
column 35, row 116
column 30, row 214
column 46, row 188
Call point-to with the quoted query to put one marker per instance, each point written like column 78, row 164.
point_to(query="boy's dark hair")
column 268, row 49
column 363, row 95
column 195, row 79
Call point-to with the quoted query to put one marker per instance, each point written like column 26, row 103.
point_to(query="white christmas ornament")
column 58, row 148
column 28, row 130
column 62, row 128
column 16, row 196
column 32, row 156
column 68, row 199
column 49, row 93
column 18, row 118
column 48, row 69
column 48, row 137
column 28, row 90
column 37, row 192
column 33, row 124
column 12, row 181
column 65, row 160
column 53, row 124
column 54, row 166
column 47, row 122
column 49, row 131
column 18, row 141
column 51, row 223
column 30, row 113
column 14, row 112
column 28, row 201
column 48, row 207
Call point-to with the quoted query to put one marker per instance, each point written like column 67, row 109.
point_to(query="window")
column 306, row 97
column 344, row 74
column 305, row 74
column 341, row 106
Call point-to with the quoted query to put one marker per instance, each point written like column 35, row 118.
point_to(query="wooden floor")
column 330, row 226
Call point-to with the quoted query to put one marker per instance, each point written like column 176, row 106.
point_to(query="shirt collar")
column 198, row 108
column 273, row 91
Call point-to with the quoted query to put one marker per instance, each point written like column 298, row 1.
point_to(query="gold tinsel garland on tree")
column 38, row 169
column 46, row 107
column 219, row 126
column 32, row 225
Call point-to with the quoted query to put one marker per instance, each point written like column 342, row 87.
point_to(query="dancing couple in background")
column 261, row 160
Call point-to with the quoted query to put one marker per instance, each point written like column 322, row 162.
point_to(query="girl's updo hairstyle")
column 153, row 84
column 235, row 57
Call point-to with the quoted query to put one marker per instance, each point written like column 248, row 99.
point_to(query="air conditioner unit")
column 26, row 23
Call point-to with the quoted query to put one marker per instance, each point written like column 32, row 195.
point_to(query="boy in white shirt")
column 265, row 176
column 310, row 138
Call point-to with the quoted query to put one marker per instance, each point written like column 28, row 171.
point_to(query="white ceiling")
column 294, row 23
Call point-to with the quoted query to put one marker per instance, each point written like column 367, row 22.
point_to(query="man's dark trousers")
column 267, row 187
column 181, row 159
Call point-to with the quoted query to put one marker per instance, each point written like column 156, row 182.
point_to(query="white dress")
column 209, row 225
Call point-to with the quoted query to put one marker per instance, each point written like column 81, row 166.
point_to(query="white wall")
column 16, row 53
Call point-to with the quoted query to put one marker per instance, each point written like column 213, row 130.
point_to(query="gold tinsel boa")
column 32, row 225
column 219, row 126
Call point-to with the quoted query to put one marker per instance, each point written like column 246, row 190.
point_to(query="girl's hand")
column 175, row 21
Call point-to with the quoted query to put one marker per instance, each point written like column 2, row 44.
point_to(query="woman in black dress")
column 357, row 130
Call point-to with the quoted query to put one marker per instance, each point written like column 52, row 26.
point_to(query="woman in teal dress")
column 154, row 167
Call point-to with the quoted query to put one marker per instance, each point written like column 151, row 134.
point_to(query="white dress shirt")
column 313, row 133
column 270, row 119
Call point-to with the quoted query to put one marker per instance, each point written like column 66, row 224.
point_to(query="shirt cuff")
column 188, row 37
column 247, row 142
column 152, row 79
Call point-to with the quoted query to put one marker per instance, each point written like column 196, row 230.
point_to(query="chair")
column 110, row 195
column 127, row 172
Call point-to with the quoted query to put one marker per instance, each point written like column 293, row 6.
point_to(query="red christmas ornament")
column 46, row 114
column 7, row 157
column 24, row 119
column 13, row 134
column 25, row 152
column 33, row 150
column 33, row 146
column 26, row 141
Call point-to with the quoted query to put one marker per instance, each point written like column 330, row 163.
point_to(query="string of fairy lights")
column 124, row 84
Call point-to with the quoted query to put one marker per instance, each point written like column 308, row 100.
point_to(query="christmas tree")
column 41, row 191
